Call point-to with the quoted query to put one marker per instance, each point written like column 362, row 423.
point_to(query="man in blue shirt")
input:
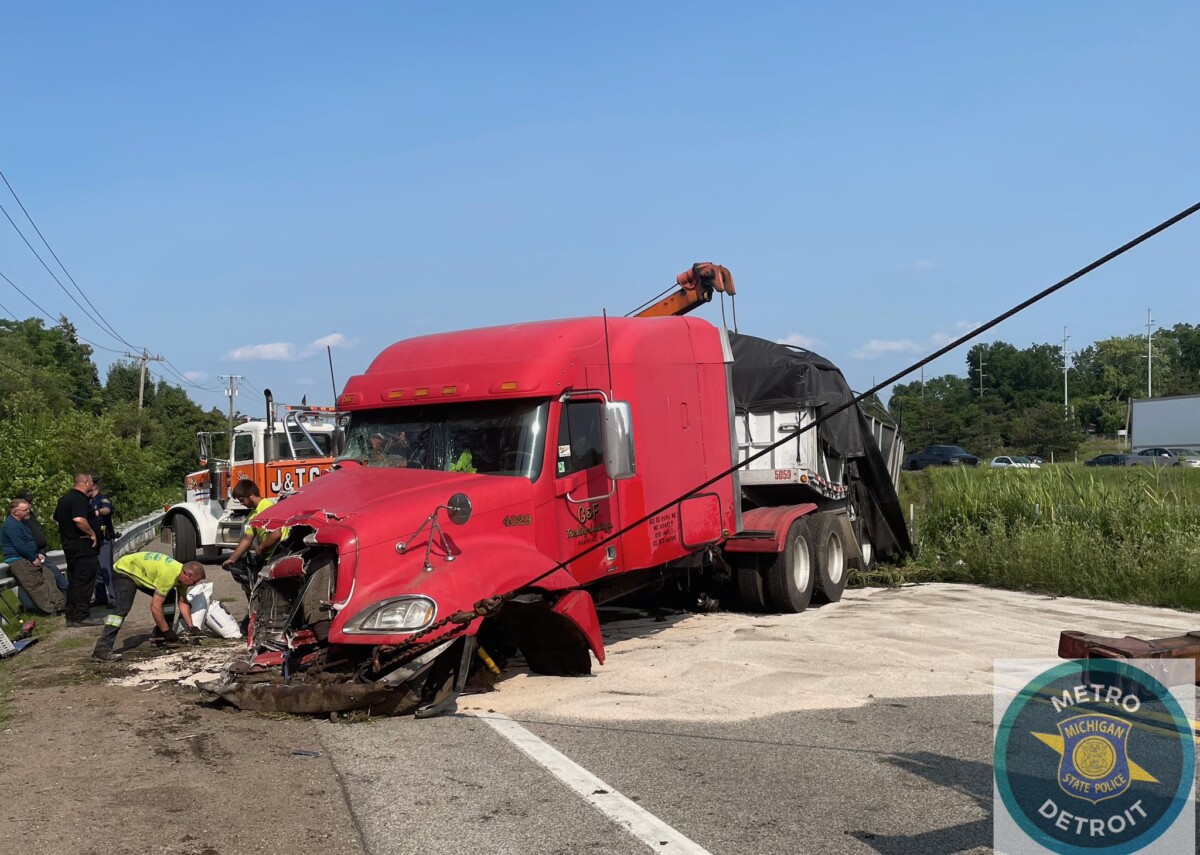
column 102, row 524
column 27, row 565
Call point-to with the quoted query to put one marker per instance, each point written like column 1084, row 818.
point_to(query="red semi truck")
column 483, row 501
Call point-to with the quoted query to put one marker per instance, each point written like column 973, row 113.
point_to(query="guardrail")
column 133, row 534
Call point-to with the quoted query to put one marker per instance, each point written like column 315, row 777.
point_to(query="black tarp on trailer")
column 768, row 375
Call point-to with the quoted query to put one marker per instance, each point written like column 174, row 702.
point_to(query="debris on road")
column 186, row 667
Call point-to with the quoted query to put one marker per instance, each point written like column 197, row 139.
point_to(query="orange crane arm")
column 696, row 287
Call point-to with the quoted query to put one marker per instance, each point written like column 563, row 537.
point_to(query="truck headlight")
column 401, row 614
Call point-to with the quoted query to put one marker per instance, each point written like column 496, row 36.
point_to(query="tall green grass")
column 1125, row 534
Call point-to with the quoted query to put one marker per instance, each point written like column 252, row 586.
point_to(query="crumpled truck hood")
column 366, row 512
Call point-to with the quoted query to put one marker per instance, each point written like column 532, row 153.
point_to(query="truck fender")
column 555, row 635
column 765, row 529
column 579, row 608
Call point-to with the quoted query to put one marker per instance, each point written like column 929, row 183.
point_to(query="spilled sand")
column 916, row 641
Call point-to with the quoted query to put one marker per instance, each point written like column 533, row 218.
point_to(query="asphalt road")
column 858, row 765
column 908, row 776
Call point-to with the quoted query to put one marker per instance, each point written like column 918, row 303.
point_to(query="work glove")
column 193, row 633
column 170, row 637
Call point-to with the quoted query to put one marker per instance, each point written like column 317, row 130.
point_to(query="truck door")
column 244, row 460
column 586, row 498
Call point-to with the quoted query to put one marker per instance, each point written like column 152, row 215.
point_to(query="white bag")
column 198, row 597
column 220, row 622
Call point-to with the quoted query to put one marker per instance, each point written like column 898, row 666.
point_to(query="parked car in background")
column 940, row 455
column 1187, row 457
column 1106, row 460
column 1152, row 457
column 1033, row 458
column 1013, row 461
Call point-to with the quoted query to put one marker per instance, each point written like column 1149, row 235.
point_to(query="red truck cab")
column 483, row 497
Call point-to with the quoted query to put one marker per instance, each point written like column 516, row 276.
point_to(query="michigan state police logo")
column 1094, row 756
column 1095, row 760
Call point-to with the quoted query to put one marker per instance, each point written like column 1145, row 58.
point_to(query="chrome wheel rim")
column 801, row 564
column 837, row 559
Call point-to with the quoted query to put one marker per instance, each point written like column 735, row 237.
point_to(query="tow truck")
column 281, row 453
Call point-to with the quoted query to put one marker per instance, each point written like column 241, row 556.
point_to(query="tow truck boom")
column 696, row 287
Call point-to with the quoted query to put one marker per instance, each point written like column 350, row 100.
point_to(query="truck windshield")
column 487, row 437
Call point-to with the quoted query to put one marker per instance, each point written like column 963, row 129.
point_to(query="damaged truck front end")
column 398, row 577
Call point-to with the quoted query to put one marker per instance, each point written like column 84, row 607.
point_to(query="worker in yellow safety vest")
column 260, row 540
column 160, row 576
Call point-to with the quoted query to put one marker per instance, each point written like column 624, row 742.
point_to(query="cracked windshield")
column 489, row 438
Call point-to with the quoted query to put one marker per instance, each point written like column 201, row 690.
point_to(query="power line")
column 174, row 369
column 51, row 318
column 102, row 319
column 98, row 318
column 87, row 314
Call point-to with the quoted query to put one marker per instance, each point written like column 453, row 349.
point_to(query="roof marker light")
column 508, row 386
column 449, row 390
column 420, row 393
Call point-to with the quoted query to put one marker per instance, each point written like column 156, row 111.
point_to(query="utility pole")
column 981, row 364
column 143, row 358
column 231, row 390
column 1149, row 355
column 1066, row 406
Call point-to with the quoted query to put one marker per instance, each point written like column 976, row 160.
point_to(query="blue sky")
column 236, row 184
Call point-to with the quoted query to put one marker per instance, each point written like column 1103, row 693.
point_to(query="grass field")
column 1125, row 534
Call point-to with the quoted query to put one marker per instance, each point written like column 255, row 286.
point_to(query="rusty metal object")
column 696, row 287
column 1081, row 645
column 316, row 698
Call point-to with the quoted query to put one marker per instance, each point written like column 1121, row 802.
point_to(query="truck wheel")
column 866, row 550
column 749, row 582
column 184, row 536
column 790, row 578
column 831, row 553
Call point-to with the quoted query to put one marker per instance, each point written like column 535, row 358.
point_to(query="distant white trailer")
column 1171, row 422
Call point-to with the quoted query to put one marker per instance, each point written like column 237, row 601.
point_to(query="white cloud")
column 796, row 339
column 332, row 340
column 276, row 351
column 880, row 347
column 285, row 351
column 940, row 337
column 194, row 375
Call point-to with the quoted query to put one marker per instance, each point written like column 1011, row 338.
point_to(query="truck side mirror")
column 619, row 460
column 458, row 508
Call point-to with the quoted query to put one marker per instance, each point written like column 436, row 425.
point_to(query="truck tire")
column 866, row 549
column 790, row 579
column 832, row 556
column 749, row 582
column 184, row 539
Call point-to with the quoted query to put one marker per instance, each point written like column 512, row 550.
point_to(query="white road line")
column 626, row 813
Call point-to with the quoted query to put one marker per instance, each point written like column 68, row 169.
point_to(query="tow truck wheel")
column 790, row 578
column 832, row 559
column 184, row 536
column 749, row 582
